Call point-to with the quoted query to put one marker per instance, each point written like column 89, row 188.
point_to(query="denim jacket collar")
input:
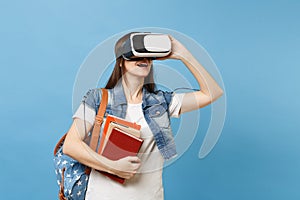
column 118, row 94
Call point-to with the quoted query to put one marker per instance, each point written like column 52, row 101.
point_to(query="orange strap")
column 61, row 195
column 97, row 126
column 94, row 138
column 99, row 120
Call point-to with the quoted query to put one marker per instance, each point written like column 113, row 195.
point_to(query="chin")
column 143, row 75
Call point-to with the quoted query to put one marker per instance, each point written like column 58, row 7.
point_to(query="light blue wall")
column 255, row 45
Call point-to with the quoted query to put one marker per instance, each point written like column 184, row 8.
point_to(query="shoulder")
column 163, row 93
column 92, row 97
column 166, row 95
column 93, row 94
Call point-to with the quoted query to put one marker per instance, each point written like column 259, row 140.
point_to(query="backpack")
column 72, row 176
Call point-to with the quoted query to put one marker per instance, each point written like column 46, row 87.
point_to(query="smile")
column 142, row 64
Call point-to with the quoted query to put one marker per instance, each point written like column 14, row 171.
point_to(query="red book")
column 119, row 145
column 109, row 119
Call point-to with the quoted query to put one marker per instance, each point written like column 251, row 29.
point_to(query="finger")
column 136, row 166
column 129, row 176
column 134, row 159
column 171, row 37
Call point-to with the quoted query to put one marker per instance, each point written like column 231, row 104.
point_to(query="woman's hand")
column 210, row 90
column 126, row 167
column 178, row 50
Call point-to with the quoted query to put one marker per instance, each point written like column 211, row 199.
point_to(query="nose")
column 148, row 59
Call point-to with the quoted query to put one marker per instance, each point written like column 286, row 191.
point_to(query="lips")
column 142, row 64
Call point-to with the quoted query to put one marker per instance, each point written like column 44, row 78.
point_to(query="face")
column 139, row 68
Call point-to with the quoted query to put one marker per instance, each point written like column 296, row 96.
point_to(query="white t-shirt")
column 147, row 182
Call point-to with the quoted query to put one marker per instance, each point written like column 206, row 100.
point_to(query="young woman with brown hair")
column 133, row 96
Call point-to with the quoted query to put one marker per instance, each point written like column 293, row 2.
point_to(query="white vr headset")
column 149, row 45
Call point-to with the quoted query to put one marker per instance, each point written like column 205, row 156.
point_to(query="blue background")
column 255, row 45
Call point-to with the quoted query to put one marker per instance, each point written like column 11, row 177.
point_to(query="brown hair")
column 118, row 71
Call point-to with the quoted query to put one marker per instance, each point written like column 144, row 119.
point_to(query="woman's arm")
column 210, row 90
column 75, row 147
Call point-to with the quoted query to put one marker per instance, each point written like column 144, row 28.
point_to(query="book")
column 117, row 120
column 120, row 144
column 120, row 138
column 113, row 125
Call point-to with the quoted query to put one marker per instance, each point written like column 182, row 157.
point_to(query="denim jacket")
column 156, row 112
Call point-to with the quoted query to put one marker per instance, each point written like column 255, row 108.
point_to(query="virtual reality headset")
column 145, row 45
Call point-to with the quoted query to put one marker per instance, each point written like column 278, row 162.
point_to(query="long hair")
column 117, row 73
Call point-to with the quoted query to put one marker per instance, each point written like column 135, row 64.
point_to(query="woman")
column 132, row 96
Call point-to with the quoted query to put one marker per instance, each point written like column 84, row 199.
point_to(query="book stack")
column 120, row 139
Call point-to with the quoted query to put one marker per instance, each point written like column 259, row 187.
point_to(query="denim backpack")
column 72, row 176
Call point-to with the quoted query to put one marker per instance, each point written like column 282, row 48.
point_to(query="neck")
column 133, row 89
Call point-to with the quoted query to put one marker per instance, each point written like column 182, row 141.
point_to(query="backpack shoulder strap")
column 97, row 126
column 99, row 120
